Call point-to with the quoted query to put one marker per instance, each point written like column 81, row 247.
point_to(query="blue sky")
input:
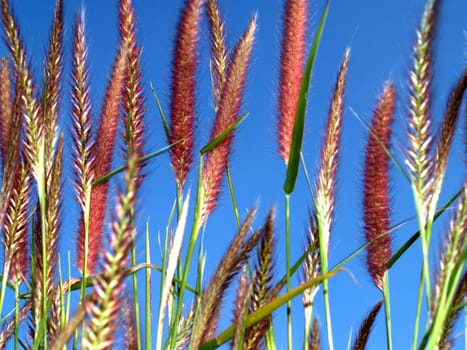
column 380, row 34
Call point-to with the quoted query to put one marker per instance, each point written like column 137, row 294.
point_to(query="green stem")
column 135, row 296
column 148, row 321
column 42, row 205
column 232, row 196
column 324, row 270
column 418, row 312
column 287, row 266
column 6, row 271
column 16, row 314
column 387, row 310
column 189, row 255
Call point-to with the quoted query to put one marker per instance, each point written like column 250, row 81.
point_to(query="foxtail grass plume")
column 451, row 256
column 327, row 176
column 446, row 135
column 227, row 113
column 102, row 152
column 314, row 339
column 99, row 332
column 6, row 109
column 205, row 326
column 366, row 327
column 52, row 85
column 376, row 202
column 81, row 119
column 15, row 227
column 218, row 49
column 26, row 99
column 263, row 292
column 182, row 109
column 419, row 159
column 133, row 102
column 291, row 70
column 242, row 301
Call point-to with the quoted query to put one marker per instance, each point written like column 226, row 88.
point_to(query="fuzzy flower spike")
column 229, row 107
column 376, row 187
column 291, row 71
column 182, row 107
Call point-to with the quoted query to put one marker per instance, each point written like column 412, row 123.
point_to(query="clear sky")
column 380, row 34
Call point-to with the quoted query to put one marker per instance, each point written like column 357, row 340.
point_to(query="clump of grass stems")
column 95, row 301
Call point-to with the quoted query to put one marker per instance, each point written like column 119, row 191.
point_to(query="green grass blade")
column 299, row 125
column 264, row 311
column 161, row 113
column 221, row 137
column 141, row 160
column 416, row 235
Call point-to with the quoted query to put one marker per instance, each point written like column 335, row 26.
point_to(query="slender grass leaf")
column 416, row 235
column 388, row 152
column 221, row 137
column 299, row 124
column 265, row 311
column 141, row 160
column 161, row 113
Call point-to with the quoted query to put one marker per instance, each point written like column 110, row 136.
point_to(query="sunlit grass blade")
column 223, row 135
column 264, row 311
column 299, row 125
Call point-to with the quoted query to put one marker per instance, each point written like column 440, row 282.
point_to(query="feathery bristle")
column 376, row 202
column 227, row 113
column 446, row 341
column 218, row 49
column 15, row 226
column 366, row 327
column 129, row 325
column 27, row 100
column 326, row 183
column 446, row 136
column 133, row 105
column 419, row 132
column 455, row 242
column 102, row 152
column 6, row 109
column 212, row 297
column 46, row 252
column 263, row 291
column 52, row 85
column 314, row 340
column 291, row 71
column 100, row 331
column 242, row 300
column 81, row 115
column 182, row 107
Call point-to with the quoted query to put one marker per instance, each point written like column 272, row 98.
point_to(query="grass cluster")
column 106, row 298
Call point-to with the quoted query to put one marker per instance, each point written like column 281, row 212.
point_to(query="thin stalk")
column 190, row 251
column 86, row 215
column 148, row 320
column 232, row 195
column 42, row 204
column 425, row 231
column 324, row 270
column 387, row 310
column 16, row 314
column 287, row 266
column 418, row 312
column 136, row 297
column 6, row 272
column 68, row 301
